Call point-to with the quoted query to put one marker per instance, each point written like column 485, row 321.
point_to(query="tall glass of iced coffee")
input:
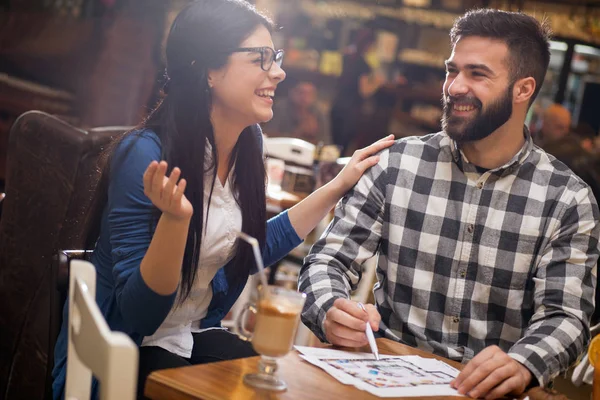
column 277, row 317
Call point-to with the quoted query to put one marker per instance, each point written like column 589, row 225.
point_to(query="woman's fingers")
column 388, row 137
column 179, row 190
column 149, row 176
column 170, row 184
column 379, row 145
column 366, row 164
column 167, row 193
column 375, row 147
column 158, row 179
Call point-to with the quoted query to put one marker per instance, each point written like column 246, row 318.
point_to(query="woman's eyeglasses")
column 268, row 56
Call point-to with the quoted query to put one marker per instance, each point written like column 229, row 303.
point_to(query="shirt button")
column 463, row 273
column 456, row 320
column 470, row 228
column 480, row 185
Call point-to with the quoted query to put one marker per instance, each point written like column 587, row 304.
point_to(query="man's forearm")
column 551, row 347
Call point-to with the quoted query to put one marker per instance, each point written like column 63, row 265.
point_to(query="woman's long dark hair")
column 202, row 37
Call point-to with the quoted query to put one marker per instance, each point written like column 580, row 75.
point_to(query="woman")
column 168, row 264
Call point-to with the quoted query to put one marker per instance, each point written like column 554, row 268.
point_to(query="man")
column 487, row 245
column 556, row 123
column 298, row 116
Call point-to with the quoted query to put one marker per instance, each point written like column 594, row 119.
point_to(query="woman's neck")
column 226, row 134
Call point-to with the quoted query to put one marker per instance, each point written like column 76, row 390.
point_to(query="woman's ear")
column 210, row 78
column 214, row 76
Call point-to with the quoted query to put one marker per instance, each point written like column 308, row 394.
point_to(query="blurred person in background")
column 584, row 164
column 576, row 144
column 299, row 116
column 556, row 123
column 356, row 84
column 587, row 137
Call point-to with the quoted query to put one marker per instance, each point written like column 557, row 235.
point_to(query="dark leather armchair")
column 52, row 176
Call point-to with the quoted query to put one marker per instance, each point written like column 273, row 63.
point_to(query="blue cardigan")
column 127, row 303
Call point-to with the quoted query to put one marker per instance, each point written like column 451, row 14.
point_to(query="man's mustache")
column 462, row 101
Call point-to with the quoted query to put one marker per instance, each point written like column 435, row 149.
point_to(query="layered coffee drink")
column 276, row 324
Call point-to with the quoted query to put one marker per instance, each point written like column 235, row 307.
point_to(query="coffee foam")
column 280, row 307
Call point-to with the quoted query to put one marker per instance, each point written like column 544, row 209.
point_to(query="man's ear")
column 523, row 90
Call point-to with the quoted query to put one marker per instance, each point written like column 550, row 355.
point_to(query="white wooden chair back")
column 112, row 357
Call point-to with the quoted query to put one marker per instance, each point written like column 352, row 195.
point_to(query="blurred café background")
column 96, row 63
column 99, row 63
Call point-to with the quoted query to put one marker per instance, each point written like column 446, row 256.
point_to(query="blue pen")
column 370, row 336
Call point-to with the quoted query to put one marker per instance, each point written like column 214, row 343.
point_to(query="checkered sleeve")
column 565, row 281
column 333, row 267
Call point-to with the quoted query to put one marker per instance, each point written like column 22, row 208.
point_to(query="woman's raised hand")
column 361, row 160
column 167, row 193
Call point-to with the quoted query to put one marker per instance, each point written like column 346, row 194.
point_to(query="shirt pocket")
column 507, row 258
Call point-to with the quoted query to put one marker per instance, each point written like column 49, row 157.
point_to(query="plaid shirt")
column 467, row 259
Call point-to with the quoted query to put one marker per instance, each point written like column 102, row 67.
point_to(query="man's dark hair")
column 527, row 40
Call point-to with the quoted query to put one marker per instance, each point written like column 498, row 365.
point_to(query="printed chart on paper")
column 390, row 372
column 390, row 376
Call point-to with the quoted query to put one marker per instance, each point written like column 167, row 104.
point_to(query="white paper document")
column 391, row 376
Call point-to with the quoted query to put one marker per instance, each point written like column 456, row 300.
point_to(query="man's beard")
column 482, row 124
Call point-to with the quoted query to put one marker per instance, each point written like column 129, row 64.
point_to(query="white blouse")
column 217, row 249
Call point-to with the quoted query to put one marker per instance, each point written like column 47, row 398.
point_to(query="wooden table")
column 223, row 380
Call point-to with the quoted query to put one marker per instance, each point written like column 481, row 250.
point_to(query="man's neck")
column 498, row 148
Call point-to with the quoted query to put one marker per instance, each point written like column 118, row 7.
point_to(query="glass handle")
column 240, row 323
